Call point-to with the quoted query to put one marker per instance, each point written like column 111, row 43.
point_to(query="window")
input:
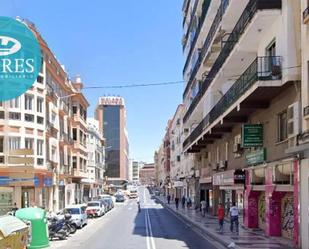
column 39, row 103
column 1, row 144
column 39, row 151
column 226, row 151
column 74, row 109
column 40, row 120
column 74, row 131
column 14, row 115
column 40, row 78
column 29, row 117
column 14, row 103
column 282, row 126
column 28, row 102
column 271, row 49
column 54, row 155
column 14, row 143
column 53, row 117
column 29, row 143
column 40, row 161
column 2, row 115
column 74, row 162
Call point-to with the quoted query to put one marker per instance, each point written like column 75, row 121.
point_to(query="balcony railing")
column 209, row 38
column 205, row 8
column 190, row 24
column 306, row 15
column 185, row 8
column 252, row 7
column 261, row 69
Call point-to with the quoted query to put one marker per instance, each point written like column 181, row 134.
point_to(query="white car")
column 95, row 209
column 79, row 216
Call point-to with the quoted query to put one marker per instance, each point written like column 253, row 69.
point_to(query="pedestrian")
column 183, row 201
column 168, row 198
column 176, row 202
column 220, row 214
column 234, row 217
column 203, row 207
column 189, row 202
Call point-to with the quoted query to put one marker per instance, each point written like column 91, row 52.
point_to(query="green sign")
column 256, row 157
column 252, row 135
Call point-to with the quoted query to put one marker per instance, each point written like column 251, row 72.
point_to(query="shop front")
column 206, row 190
column 229, row 188
column 271, row 198
column 178, row 189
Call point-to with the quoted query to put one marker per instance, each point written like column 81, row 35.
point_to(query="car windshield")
column 73, row 210
column 93, row 204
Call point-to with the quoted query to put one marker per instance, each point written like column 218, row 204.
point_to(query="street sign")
column 252, row 135
column 256, row 157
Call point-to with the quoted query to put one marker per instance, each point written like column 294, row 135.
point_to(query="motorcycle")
column 57, row 228
column 69, row 223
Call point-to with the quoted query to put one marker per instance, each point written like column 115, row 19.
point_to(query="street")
column 124, row 227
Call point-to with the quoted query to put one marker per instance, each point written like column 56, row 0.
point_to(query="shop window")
column 282, row 126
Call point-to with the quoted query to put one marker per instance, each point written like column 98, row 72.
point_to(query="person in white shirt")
column 203, row 207
column 234, row 217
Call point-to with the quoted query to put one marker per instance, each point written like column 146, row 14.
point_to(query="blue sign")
column 4, row 180
column 48, row 181
column 20, row 58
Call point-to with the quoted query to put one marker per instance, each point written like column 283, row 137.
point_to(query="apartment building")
column 93, row 184
column 147, row 174
column 242, row 104
column 111, row 114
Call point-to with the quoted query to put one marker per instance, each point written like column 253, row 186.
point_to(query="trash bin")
column 13, row 232
column 39, row 230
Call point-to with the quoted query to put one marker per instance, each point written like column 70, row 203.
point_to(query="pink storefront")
column 271, row 199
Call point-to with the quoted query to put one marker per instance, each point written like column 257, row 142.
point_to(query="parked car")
column 95, row 209
column 108, row 200
column 119, row 198
column 78, row 212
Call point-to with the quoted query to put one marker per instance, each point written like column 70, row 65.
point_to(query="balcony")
column 251, row 10
column 51, row 129
column 306, row 16
column 50, row 93
column 208, row 40
column 185, row 38
column 253, row 92
column 64, row 108
column 201, row 19
column 79, row 174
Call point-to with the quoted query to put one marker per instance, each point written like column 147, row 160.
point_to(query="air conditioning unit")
column 293, row 119
column 237, row 148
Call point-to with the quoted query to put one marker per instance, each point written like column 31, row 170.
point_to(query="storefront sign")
column 178, row 184
column 252, row 135
column 256, row 157
column 224, row 178
column 239, row 176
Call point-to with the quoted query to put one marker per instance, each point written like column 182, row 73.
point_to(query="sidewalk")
column 247, row 238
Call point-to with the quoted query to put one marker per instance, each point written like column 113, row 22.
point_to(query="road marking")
column 147, row 232
column 150, row 229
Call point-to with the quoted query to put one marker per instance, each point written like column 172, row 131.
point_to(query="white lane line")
column 147, row 232
column 150, row 229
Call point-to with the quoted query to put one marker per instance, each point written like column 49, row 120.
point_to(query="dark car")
column 119, row 198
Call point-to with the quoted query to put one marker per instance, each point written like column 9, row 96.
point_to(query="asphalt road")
column 126, row 228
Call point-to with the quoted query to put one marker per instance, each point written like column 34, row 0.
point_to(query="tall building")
column 111, row 114
column 242, row 108
column 135, row 171
column 147, row 174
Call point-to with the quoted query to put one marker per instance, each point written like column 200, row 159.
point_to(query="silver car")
column 79, row 215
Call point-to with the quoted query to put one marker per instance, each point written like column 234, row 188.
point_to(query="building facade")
column 242, row 108
column 111, row 115
column 147, row 174
column 135, row 171
column 93, row 184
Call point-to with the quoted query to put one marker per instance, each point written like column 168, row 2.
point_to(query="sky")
column 115, row 43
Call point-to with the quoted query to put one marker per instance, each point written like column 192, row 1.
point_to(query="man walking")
column 168, row 198
column 183, row 201
column 203, row 207
column 220, row 214
column 234, row 217
column 176, row 202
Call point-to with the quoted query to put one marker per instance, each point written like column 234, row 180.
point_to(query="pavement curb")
column 197, row 226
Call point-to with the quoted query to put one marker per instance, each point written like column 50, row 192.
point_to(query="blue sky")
column 117, row 42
